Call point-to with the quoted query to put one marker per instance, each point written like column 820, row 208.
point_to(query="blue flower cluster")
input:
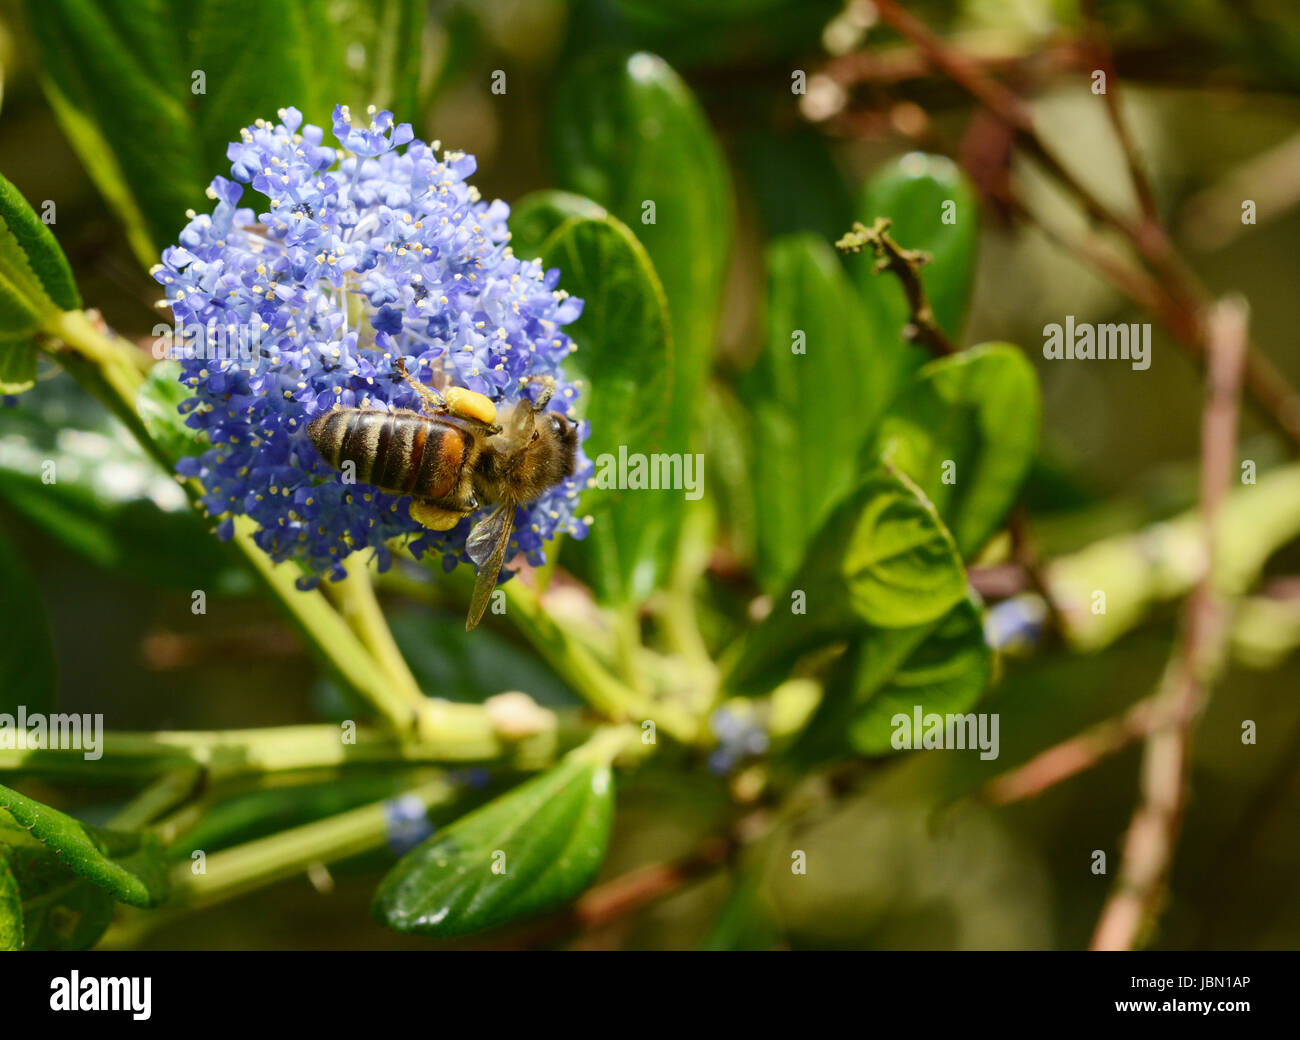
column 352, row 259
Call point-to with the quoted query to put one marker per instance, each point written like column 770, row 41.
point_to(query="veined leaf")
column 11, row 905
column 17, row 367
column 535, row 217
column 78, row 475
column 966, row 431
column 35, row 282
column 129, row 866
column 942, row 667
column 165, row 85
column 628, row 133
column 882, row 559
column 530, row 850
column 815, row 396
column 625, row 360
column 60, row 911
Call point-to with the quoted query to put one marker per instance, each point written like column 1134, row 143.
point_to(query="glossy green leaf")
column 814, row 395
column 882, row 559
column 11, row 905
column 79, row 477
column 23, row 232
column 165, row 85
column 966, row 431
column 795, row 183
column 129, row 866
column 60, row 911
column 625, row 361
column 17, row 367
column 947, row 672
column 912, row 192
column 530, row 850
column 35, row 282
column 27, row 663
column 535, row 217
column 943, row 667
column 157, row 402
column 627, row 132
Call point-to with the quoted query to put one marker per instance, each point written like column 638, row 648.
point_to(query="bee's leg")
column 548, row 390
column 436, row 518
column 433, row 400
column 446, row 513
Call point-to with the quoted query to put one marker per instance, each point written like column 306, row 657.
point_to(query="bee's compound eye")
column 557, row 423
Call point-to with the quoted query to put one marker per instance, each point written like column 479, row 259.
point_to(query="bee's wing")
column 487, row 548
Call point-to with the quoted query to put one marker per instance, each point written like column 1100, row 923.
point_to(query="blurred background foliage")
column 912, row 860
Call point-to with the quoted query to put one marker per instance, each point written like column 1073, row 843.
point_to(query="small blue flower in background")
column 740, row 736
column 406, row 823
column 352, row 260
column 1016, row 625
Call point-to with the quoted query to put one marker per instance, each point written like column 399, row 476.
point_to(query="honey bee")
column 452, row 458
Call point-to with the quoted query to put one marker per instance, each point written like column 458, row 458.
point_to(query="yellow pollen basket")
column 470, row 404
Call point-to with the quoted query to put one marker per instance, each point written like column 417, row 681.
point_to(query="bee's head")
column 563, row 435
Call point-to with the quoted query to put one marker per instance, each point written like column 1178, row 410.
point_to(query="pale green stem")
column 256, row 863
column 169, row 789
column 464, row 733
column 602, row 691
column 231, row 872
column 355, row 599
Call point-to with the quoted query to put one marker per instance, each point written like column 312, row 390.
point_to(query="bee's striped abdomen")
column 400, row 452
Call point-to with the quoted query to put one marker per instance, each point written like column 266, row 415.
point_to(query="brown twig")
column 1181, row 301
column 1025, row 553
column 906, row 264
column 1137, row 172
column 1152, row 836
column 1070, row 757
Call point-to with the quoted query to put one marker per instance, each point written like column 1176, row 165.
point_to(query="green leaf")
column 882, row 559
column 944, row 667
column 627, row 131
column 78, row 476
column 947, row 672
column 625, row 360
column 60, row 911
column 157, row 402
column 129, row 866
column 11, row 905
column 35, row 282
column 17, row 368
column 547, row 838
column 980, row 411
column 23, row 233
column 912, row 191
column 795, row 183
column 535, row 217
column 815, row 395
column 123, row 81
column 27, row 663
